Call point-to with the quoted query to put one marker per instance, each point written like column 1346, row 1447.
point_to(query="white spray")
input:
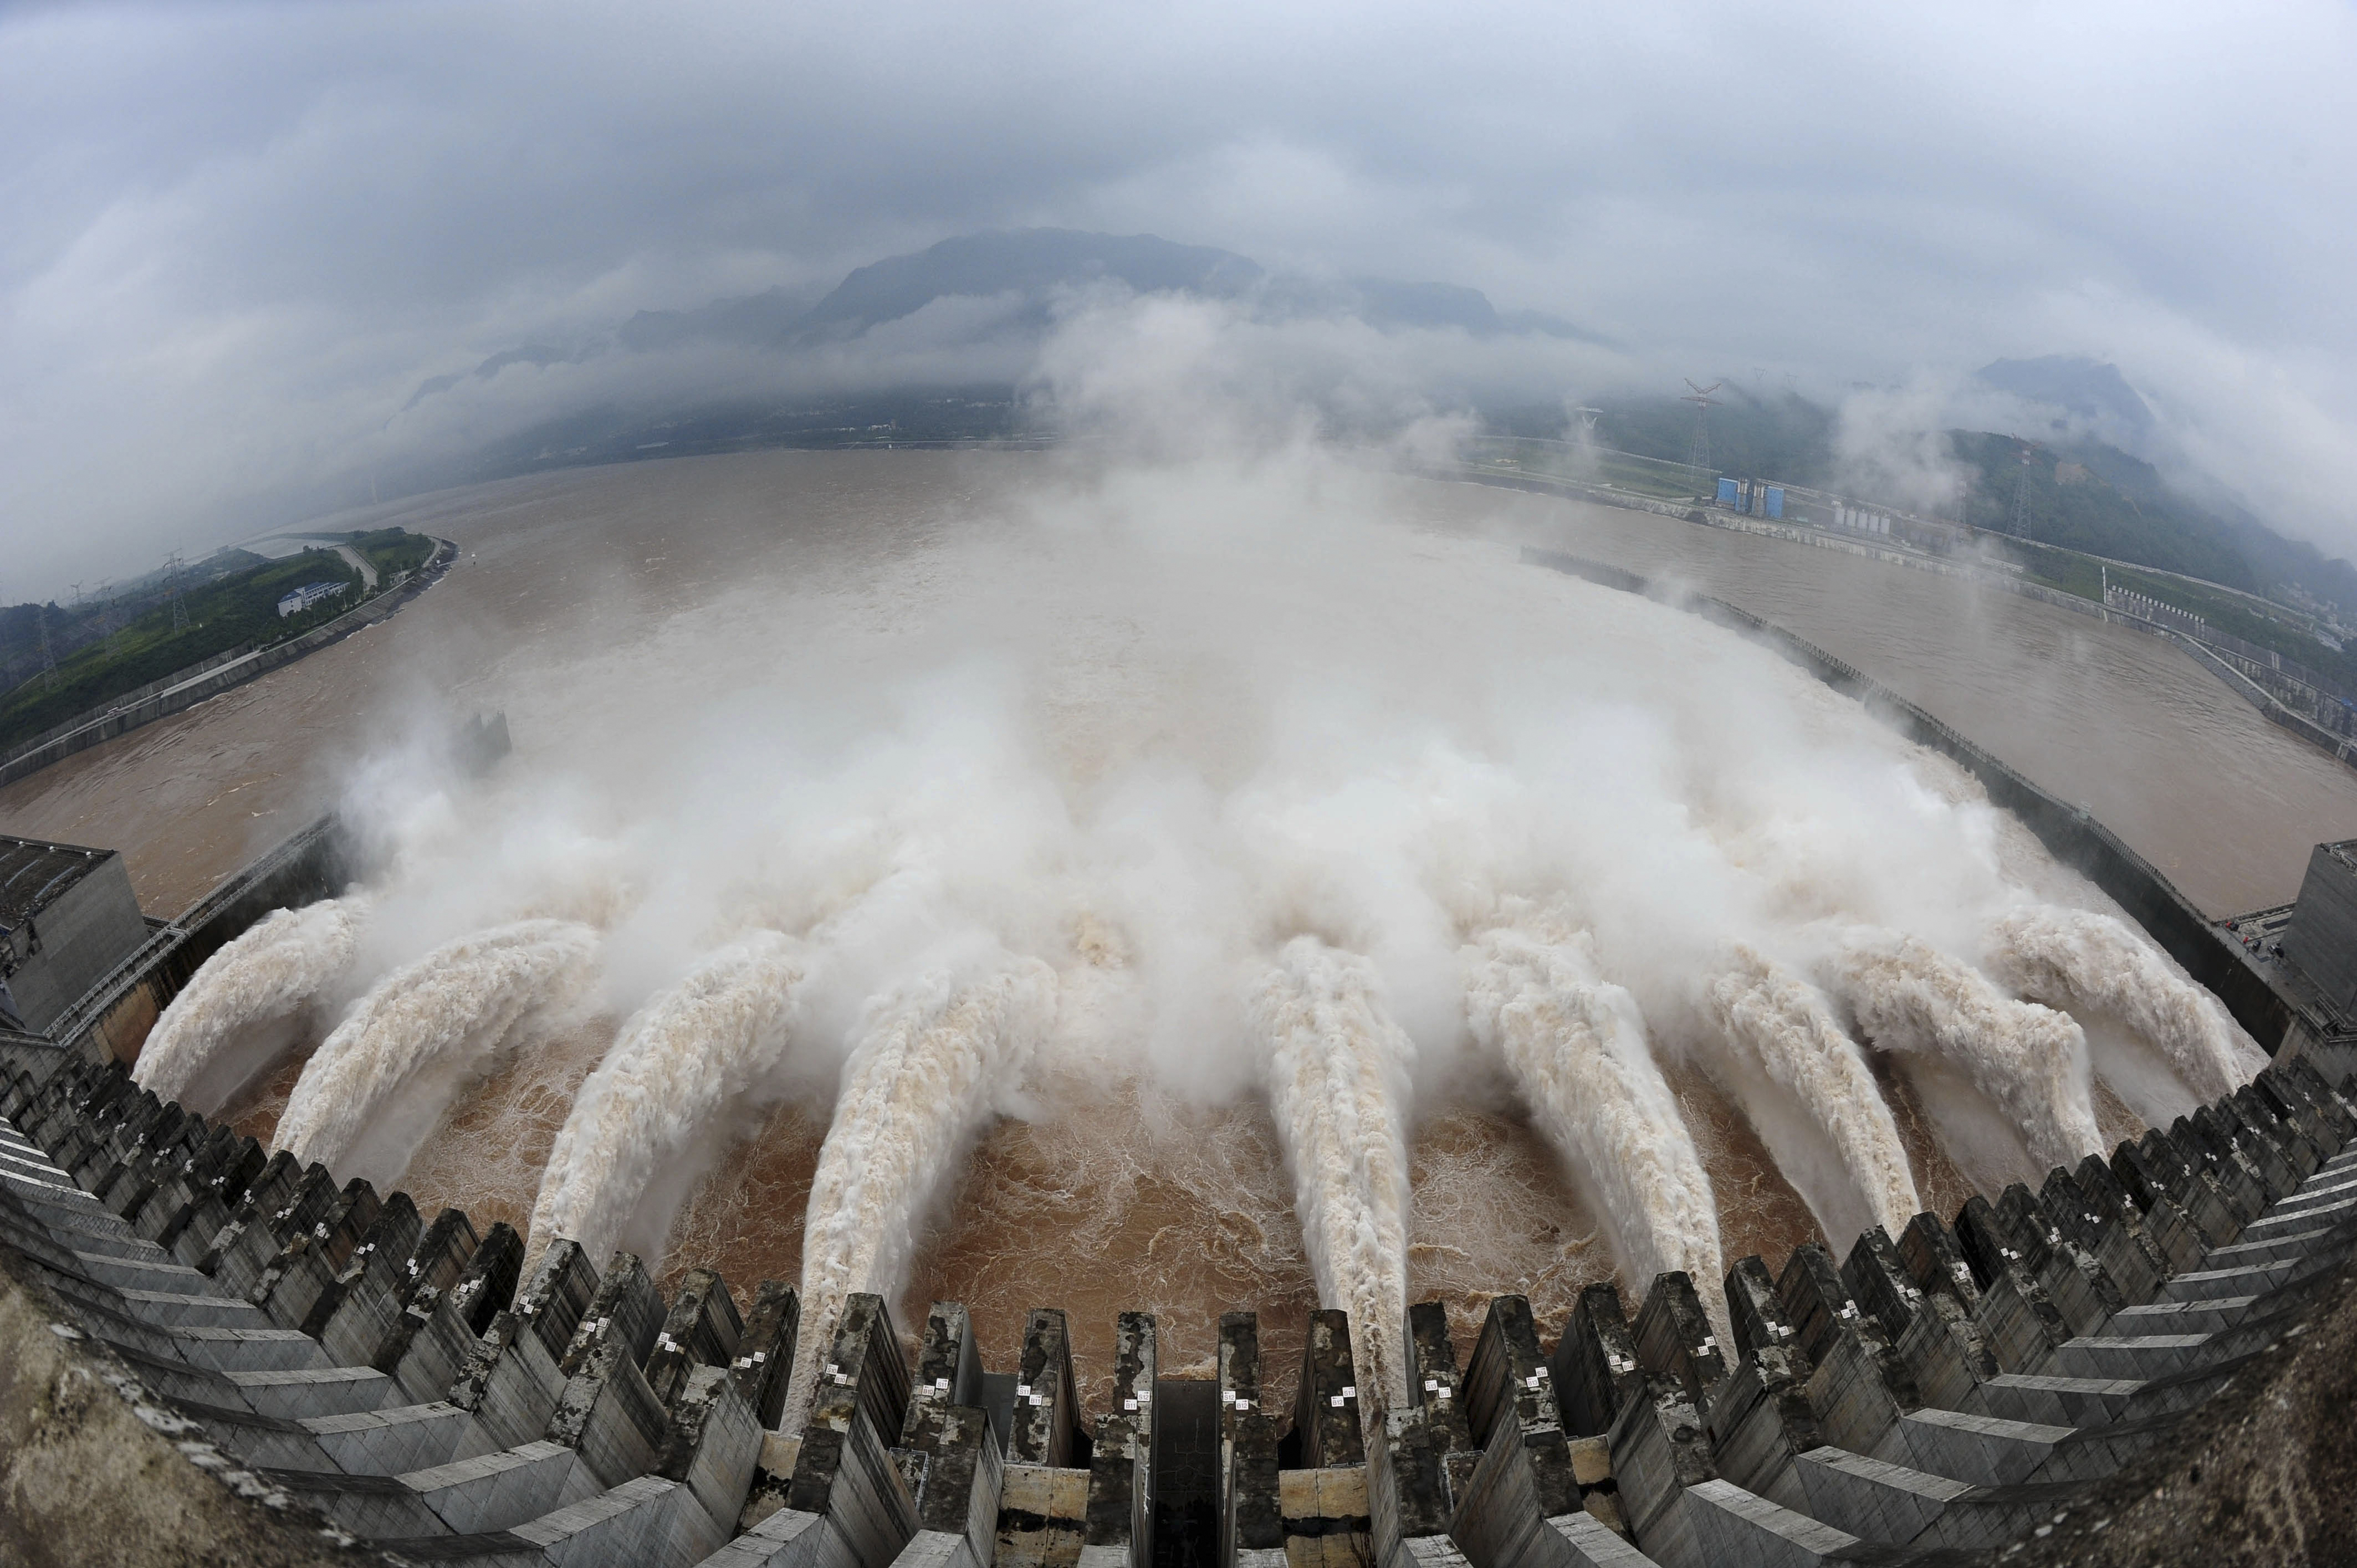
column 678, row 1062
column 215, row 1035
column 916, row 1089
column 1784, row 1024
column 1338, row 1075
column 415, row 1038
column 1578, row 1050
column 1590, row 740
column 2076, row 959
column 2032, row 1060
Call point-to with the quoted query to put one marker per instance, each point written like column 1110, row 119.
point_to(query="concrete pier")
column 1252, row 1514
column 845, row 1496
column 1044, row 1490
column 1121, row 1493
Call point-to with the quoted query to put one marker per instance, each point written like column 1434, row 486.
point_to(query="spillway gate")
column 365, row 1379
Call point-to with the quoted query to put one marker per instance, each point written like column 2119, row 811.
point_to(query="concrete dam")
column 224, row 1348
column 302, row 1370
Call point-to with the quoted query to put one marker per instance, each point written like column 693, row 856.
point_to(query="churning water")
column 1295, row 901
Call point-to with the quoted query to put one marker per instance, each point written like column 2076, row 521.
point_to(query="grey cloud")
column 235, row 239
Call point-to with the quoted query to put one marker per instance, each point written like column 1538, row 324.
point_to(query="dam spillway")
column 343, row 1361
column 1582, row 962
column 440, row 1391
column 1112, row 811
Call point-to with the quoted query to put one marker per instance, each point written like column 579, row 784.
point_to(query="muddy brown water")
column 1109, row 1200
column 2159, row 750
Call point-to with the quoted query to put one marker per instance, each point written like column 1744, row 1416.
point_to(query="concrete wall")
column 2070, row 834
column 1567, row 488
column 85, row 931
column 111, row 1017
column 94, row 1474
column 2323, row 936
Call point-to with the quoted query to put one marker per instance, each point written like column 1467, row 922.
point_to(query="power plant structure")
column 211, row 1346
column 66, row 915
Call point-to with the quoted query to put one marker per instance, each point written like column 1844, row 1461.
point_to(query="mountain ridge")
column 2090, row 388
column 2130, row 510
column 1034, row 265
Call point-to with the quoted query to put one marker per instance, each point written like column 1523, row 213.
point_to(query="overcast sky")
column 235, row 237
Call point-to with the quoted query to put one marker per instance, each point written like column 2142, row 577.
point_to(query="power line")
column 1699, row 455
column 2019, row 524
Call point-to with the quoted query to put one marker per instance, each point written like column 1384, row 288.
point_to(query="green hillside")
column 2089, row 497
column 237, row 607
column 1781, row 434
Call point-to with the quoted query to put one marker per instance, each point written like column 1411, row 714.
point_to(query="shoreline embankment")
column 2218, row 663
column 184, row 689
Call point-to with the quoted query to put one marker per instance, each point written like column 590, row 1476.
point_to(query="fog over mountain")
column 258, row 261
column 2095, row 394
column 1023, row 278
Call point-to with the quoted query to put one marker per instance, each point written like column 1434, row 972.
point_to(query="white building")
column 309, row 594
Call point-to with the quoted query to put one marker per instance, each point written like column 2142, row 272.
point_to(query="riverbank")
column 185, row 689
column 2220, row 662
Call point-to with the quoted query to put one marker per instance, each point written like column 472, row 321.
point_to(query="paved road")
column 367, row 573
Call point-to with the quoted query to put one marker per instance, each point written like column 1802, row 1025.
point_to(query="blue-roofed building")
column 309, row 594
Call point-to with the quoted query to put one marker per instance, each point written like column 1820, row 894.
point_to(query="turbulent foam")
column 679, row 1061
column 2032, row 1060
column 214, row 1039
column 1338, row 1075
column 1783, row 1023
column 413, row 1037
column 915, row 1090
column 1204, row 734
column 2076, row 959
column 1578, row 1050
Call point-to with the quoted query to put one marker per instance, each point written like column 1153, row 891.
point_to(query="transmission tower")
column 1699, row 455
column 1587, row 418
column 180, row 605
column 2019, row 525
column 49, row 664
